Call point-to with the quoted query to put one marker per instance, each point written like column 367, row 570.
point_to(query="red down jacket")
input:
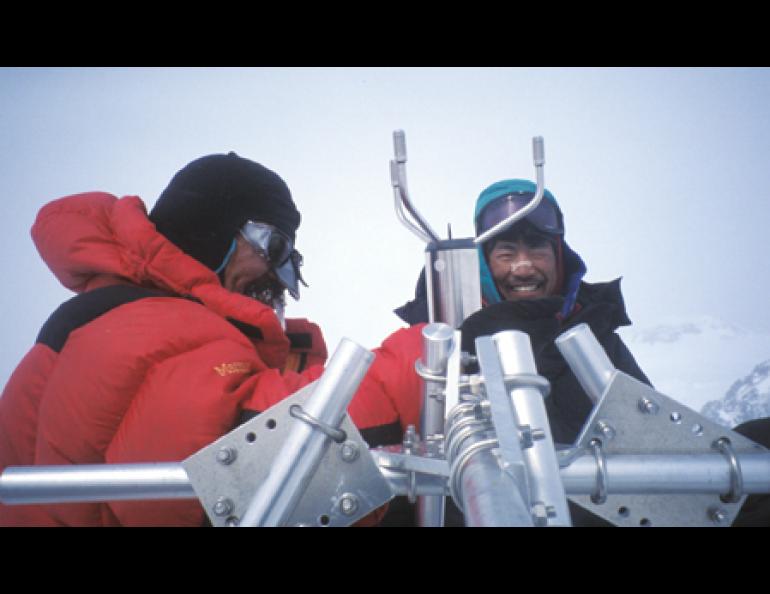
column 152, row 379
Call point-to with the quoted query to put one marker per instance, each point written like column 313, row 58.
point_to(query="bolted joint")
column 409, row 441
column 482, row 411
column 223, row 506
column 648, row 406
column 226, row 456
column 476, row 384
column 541, row 512
column 528, row 436
column 718, row 515
column 349, row 451
column 348, row 504
column 604, row 429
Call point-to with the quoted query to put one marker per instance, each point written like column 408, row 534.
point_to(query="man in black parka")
column 532, row 281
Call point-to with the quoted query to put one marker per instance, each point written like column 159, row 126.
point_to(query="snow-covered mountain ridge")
column 746, row 399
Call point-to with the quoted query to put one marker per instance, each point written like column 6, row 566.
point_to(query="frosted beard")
column 271, row 294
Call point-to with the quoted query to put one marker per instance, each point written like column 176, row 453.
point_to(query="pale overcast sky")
column 662, row 173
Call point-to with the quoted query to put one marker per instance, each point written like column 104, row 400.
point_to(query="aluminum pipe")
column 94, row 482
column 299, row 456
column 436, row 346
column 587, row 360
column 638, row 474
column 545, row 484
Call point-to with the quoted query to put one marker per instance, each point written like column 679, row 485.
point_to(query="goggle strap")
column 228, row 255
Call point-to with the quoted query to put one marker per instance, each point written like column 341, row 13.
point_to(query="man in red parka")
column 176, row 333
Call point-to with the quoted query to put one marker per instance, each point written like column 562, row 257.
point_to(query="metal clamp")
column 601, row 472
column 736, row 476
column 528, row 380
column 458, row 465
column 423, row 372
column 338, row 435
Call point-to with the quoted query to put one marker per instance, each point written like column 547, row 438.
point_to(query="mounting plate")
column 632, row 418
column 346, row 486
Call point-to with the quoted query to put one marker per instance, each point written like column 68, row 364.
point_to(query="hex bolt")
column 227, row 455
column 604, row 429
column 541, row 512
column 529, row 436
column 223, row 506
column 482, row 411
column 410, row 439
column 718, row 515
column 648, row 406
column 349, row 504
column 349, row 451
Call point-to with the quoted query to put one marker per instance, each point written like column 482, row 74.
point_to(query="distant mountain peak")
column 747, row 398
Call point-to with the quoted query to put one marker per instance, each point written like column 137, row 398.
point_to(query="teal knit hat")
column 573, row 261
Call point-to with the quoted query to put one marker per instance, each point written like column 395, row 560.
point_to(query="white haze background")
column 662, row 174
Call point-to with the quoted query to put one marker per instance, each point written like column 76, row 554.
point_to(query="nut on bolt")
column 529, row 436
column 410, row 439
column 718, row 515
column 226, row 455
column 648, row 406
column 349, row 451
column 604, row 429
column 349, row 504
column 223, row 506
column 541, row 512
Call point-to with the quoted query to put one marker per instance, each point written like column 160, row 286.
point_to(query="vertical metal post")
column 547, row 493
column 436, row 346
column 453, row 281
column 294, row 465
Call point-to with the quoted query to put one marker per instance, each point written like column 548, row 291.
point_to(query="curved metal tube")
column 538, row 152
column 398, row 202
column 398, row 180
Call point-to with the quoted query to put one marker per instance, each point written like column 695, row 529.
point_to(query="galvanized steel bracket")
column 632, row 418
column 346, row 486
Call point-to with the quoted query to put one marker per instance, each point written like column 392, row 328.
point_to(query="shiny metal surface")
column 292, row 468
column 96, row 482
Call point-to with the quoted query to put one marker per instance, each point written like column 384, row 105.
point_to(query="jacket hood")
column 96, row 239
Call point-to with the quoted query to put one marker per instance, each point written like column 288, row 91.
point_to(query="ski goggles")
column 545, row 217
column 278, row 250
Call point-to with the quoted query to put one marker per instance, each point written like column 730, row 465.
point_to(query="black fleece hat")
column 210, row 199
